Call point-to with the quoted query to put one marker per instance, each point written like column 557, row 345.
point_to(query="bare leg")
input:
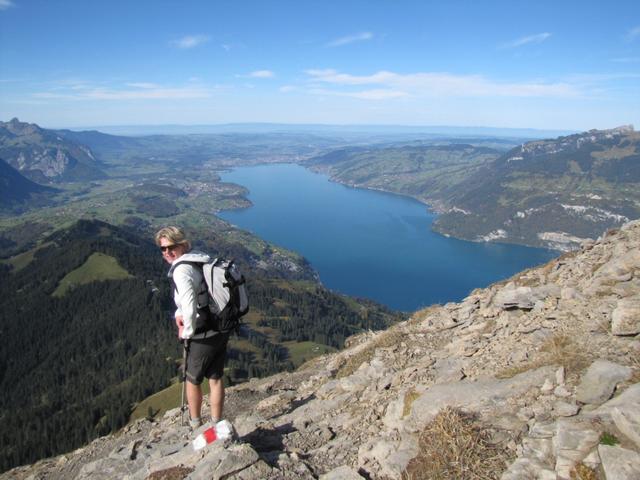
column 194, row 399
column 216, row 398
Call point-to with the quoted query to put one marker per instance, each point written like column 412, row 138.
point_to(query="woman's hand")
column 180, row 325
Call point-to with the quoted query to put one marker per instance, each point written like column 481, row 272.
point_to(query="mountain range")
column 550, row 193
column 547, row 193
column 44, row 156
column 553, row 193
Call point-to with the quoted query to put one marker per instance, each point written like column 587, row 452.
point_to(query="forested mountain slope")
column 15, row 189
column 87, row 329
column 551, row 193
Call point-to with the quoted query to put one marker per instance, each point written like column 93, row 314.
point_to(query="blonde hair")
column 175, row 235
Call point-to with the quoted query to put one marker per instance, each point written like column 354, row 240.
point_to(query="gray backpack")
column 226, row 294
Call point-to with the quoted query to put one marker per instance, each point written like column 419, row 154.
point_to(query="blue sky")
column 527, row 64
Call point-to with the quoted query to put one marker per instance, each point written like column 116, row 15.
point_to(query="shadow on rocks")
column 269, row 443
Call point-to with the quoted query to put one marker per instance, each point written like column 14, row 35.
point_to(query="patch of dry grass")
column 582, row 472
column 455, row 446
column 410, row 397
column 173, row 473
column 385, row 339
column 560, row 349
column 511, row 372
column 420, row 315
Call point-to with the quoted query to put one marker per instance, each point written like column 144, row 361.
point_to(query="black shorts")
column 206, row 358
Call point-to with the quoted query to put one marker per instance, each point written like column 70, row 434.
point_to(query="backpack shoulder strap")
column 197, row 265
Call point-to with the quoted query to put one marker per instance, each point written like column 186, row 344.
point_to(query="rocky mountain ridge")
column 543, row 366
column 44, row 156
column 571, row 142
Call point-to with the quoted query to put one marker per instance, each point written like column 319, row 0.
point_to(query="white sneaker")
column 225, row 430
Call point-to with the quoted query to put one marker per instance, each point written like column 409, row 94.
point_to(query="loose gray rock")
column 515, row 297
column 392, row 455
column 524, row 467
column 449, row 370
column 629, row 400
column 625, row 319
column 543, row 430
column 341, row 473
column 619, row 463
column 474, row 396
column 628, row 422
column 564, row 409
column 222, row 462
column 573, row 440
column 600, row 380
column 540, row 449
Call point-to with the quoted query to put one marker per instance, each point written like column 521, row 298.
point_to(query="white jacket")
column 188, row 281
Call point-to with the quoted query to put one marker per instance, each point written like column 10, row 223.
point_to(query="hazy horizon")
column 328, row 129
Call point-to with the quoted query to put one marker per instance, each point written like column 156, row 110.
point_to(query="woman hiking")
column 205, row 345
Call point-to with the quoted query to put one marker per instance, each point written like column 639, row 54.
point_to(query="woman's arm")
column 186, row 298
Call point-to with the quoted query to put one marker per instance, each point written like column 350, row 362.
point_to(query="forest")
column 73, row 366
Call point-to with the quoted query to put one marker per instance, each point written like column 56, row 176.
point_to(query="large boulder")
column 600, row 380
column 625, row 319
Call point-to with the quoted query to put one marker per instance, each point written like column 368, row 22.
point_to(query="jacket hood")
column 194, row 256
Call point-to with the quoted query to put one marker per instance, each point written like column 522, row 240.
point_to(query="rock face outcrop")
column 44, row 156
column 546, row 362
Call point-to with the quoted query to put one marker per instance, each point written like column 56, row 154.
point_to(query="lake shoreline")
column 369, row 243
column 434, row 207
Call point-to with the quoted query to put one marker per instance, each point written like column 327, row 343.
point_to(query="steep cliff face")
column 44, row 156
column 541, row 369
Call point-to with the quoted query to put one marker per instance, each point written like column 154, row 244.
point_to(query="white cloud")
column 425, row 84
column 633, row 33
column 538, row 38
column 262, row 74
column 287, row 88
column 373, row 94
column 136, row 91
column 146, row 85
column 4, row 4
column 191, row 41
column 358, row 37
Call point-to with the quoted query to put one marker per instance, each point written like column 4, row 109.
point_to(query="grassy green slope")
column 98, row 267
column 427, row 173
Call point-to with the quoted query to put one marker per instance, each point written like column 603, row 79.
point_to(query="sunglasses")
column 170, row 248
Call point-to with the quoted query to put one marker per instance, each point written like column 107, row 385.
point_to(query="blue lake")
column 370, row 244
